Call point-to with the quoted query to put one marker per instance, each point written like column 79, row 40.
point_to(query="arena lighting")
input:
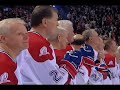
column 52, row 5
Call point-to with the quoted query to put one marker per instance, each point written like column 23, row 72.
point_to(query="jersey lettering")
column 56, row 78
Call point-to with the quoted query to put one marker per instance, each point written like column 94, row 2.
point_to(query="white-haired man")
column 13, row 39
column 59, row 42
column 67, row 25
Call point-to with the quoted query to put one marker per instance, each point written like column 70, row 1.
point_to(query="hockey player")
column 101, row 68
column 67, row 25
column 13, row 39
column 59, row 42
column 110, row 59
column 38, row 63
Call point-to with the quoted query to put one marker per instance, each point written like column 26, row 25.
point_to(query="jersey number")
column 56, row 78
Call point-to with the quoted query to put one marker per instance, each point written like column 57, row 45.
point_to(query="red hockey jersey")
column 7, row 70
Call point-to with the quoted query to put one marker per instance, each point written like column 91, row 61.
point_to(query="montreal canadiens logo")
column 4, row 78
column 43, row 51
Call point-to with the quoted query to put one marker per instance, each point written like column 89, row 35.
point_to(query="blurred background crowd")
column 105, row 19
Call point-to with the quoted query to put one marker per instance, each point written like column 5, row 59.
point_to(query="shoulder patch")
column 4, row 78
column 43, row 51
column 110, row 63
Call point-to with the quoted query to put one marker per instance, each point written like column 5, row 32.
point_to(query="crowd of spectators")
column 23, row 12
column 105, row 19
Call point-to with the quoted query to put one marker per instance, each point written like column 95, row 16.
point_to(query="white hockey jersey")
column 38, row 63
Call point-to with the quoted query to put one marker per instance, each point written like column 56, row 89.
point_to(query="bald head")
column 78, row 40
column 77, row 36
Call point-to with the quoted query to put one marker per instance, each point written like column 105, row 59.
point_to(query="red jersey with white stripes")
column 7, row 70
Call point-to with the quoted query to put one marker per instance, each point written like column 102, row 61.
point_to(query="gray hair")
column 7, row 24
column 66, row 24
column 88, row 33
column 59, row 31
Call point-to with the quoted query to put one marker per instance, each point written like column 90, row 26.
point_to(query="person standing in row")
column 13, row 39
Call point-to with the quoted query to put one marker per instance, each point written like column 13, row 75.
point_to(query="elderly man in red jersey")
column 13, row 39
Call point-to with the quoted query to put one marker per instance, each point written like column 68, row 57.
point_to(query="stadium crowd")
column 61, row 45
column 105, row 19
